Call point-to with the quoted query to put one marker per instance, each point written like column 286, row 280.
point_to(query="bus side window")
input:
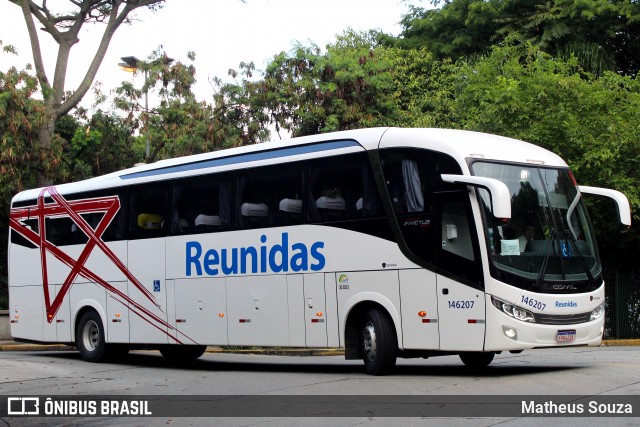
column 63, row 231
column 458, row 246
column 200, row 205
column 18, row 239
column 270, row 196
column 456, row 236
column 341, row 188
column 147, row 211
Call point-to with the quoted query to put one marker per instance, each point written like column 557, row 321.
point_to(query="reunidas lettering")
column 275, row 258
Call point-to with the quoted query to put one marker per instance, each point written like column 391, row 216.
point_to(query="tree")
column 64, row 28
column 307, row 92
column 602, row 34
column 103, row 145
column 20, row 116
column 591, row 122
column 181, row 125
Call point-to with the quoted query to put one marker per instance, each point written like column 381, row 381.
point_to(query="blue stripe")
column 245, row 158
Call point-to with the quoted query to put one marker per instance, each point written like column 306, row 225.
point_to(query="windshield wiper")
column 574, row 243
column 545, row 260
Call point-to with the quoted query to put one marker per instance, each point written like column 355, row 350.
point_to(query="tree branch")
column 115, row 19
column 43, row 19
column 35, row 45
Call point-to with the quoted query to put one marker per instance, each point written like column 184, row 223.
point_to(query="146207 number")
column 533, row 303
column 460, row 304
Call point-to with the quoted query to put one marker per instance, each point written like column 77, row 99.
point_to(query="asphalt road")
column 593, row 372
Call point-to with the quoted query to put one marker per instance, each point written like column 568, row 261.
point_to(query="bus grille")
column 557, row 319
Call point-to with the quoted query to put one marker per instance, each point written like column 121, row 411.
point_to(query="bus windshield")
column 548, row 244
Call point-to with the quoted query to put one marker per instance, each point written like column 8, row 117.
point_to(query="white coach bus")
column 387, row 242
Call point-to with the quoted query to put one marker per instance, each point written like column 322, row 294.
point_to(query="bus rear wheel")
column 178, row 353
column 378, row 343
column 477, row 360
column 90, row 338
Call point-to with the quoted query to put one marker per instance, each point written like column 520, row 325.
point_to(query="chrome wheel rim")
column 91, row 335
column 369, row 341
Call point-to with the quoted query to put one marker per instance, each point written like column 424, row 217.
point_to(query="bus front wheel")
column 378, row 343
column 90, row 338
column 477, row 360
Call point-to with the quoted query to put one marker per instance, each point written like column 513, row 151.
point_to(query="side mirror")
column 622, row 203
column 500, row 195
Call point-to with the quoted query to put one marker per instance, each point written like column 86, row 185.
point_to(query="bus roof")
column 457, row 143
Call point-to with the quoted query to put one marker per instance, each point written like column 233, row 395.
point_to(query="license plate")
column 566, row 335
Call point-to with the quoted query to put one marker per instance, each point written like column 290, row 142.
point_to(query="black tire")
column 90, row 338
column 177, row 353
column 378, row 343
column 477, row 360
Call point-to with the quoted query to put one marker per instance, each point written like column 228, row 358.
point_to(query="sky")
column 222, row 33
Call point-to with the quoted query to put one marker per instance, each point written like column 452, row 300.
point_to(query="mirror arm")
column 500, row 195
column 622, row 203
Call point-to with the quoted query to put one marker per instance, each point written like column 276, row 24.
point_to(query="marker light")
column 422, row 313
column 597, row 312
column 319, row 314
column 220, row 314
column 513, row 310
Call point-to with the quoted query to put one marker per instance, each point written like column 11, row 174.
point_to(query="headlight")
column 513, row 310
column 597, row 312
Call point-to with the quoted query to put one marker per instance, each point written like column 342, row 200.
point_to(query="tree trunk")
column 45, row 136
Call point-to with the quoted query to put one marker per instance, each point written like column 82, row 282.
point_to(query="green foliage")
column 591, row 122
column 20, row 115
column 181, row 125
column 602, row 34
column 101, row 146
column 350, row 86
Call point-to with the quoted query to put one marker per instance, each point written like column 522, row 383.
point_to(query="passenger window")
column 147, row 211
column 413, row 176
column 341, row 188
column 19, row 239
column 63, row 230
column 115, row 228
column 202, row 204
column 269, row 196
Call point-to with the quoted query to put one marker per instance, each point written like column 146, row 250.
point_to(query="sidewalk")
column 279, row 351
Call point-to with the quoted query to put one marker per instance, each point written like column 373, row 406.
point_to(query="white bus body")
column 387, row 242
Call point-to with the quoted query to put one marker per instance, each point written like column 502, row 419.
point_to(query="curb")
column 615, row 343
column 280, row 351
column 13, row 346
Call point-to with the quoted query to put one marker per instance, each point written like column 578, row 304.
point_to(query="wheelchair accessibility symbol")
column 566, row 250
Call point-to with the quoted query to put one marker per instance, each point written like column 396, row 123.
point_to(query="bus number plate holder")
column 566, row 335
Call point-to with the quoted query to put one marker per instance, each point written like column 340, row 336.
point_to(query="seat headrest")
column 291, row 205
column 148, row 221
column 203, row 219
column 254, row 209
column 333, row 203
